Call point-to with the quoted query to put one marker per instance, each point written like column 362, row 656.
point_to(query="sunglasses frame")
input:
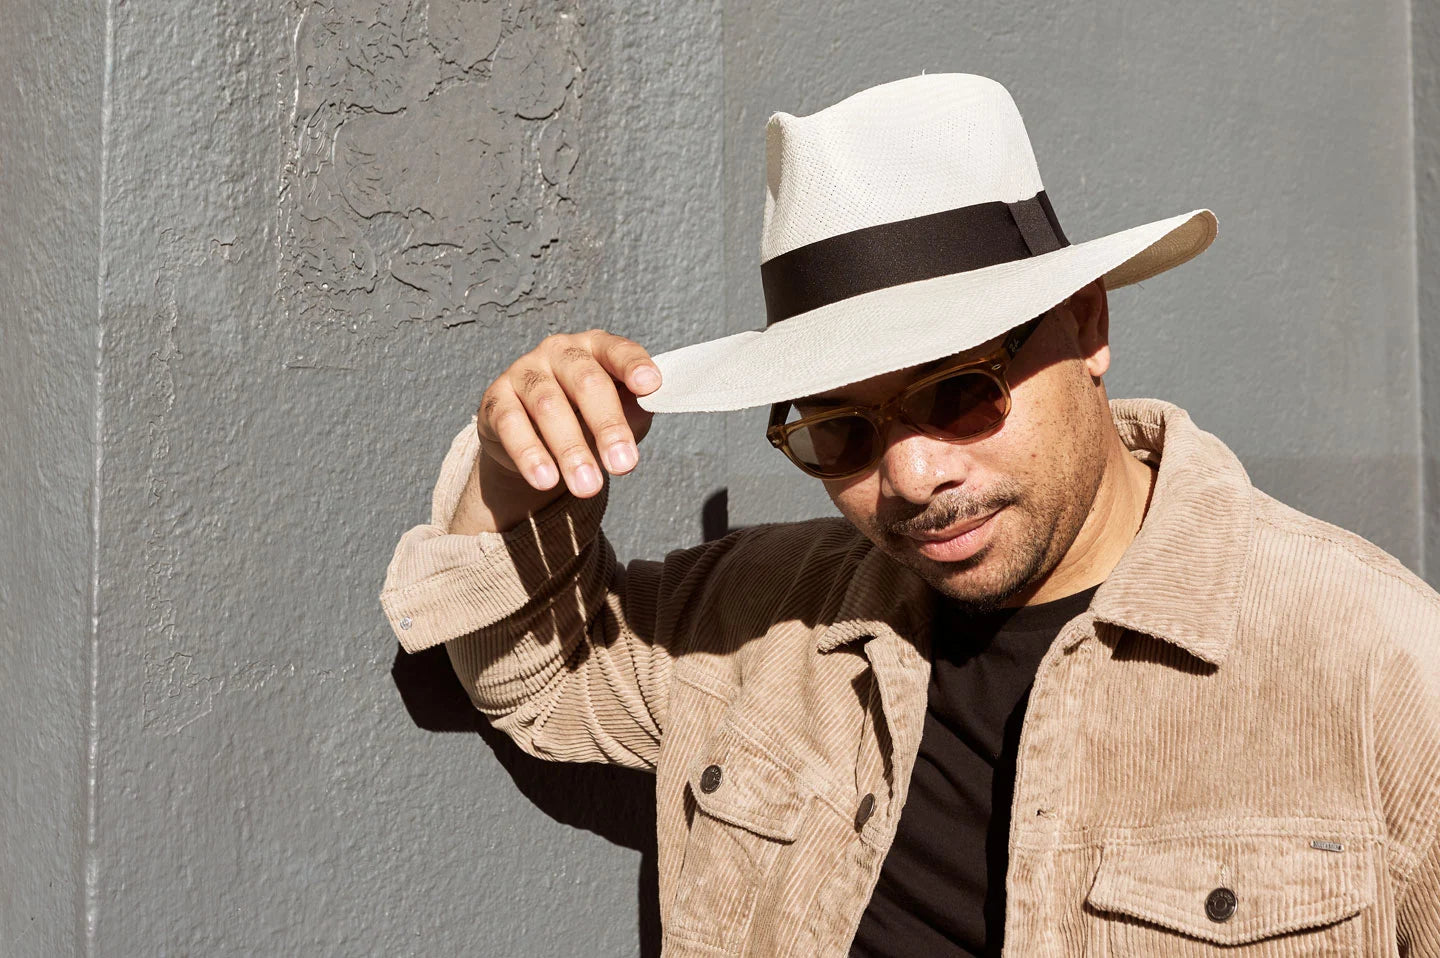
column 993, row 366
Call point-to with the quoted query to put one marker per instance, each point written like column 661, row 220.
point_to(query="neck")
column 1113, row 521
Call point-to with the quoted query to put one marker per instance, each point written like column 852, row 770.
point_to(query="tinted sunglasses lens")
column 834, row 447
column 965, row 404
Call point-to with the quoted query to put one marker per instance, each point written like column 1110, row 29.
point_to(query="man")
column 1061, row 677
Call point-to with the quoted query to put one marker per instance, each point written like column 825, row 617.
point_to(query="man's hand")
column 563, row 409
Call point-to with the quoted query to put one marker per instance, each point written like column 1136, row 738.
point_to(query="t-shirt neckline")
column 1038, row 617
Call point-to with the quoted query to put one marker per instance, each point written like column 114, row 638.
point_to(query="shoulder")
column 1358, row 611
column 824, row 541
column 794, row 561
column 1366, row 615
column 777, row 582
column 1342, row 580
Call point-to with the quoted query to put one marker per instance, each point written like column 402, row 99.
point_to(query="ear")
column 1091, row 310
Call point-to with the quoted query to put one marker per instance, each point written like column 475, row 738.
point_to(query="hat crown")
column 903, row 149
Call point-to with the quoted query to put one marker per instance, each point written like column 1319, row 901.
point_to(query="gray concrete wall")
column 332, row 223
column 1425, row 43
column 51, row 84
column 266, row 260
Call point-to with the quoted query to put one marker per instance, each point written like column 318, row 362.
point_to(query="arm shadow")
column 618, row 805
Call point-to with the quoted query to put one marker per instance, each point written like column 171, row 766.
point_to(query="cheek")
column 1046, row 423
column 1058, row 450
column 1014, row 452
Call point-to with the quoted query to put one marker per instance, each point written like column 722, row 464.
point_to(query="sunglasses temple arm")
column 1017, row 338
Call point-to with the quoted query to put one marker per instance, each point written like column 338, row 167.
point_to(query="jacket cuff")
column 440, row 586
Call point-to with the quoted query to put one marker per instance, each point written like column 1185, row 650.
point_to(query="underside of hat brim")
column 900, row 326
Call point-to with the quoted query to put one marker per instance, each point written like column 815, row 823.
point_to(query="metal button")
column 1220, row 904
column 405, row 622
column 710, row 779
column 866, row 809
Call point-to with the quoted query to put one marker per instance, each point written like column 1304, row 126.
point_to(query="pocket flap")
column 735, row 780
column 1275, row 884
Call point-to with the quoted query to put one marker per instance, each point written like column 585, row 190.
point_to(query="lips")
column 955, row 542
column 950, row 532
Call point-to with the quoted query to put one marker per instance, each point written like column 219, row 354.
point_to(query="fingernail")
column 621, row 457
column 546, row 475
column 587, row 479
column 646, row 377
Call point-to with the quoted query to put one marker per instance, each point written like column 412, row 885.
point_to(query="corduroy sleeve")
column 1407, row 741
column 553, row 640
column 1418, row 920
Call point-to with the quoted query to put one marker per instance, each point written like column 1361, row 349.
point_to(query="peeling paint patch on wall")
column 431, row 149
column 176, row 690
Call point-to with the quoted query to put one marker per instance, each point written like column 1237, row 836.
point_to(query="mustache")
column 951, row 507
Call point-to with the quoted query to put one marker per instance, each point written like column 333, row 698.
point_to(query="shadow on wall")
column 715, row 516
column 620, row 802
column 620, row 805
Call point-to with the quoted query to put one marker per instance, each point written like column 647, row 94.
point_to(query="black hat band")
column 923, row 247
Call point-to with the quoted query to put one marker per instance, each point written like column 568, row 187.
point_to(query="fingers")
column 554, row 419
column 625, row 360
column 504, row 421
column 592, row 392
column 558, row 406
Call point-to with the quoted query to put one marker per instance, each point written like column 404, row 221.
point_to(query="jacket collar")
column 882, row 596
column 1180, row 579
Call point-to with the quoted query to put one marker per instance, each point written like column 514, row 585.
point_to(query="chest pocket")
column 745, row 804
column 1273, row 894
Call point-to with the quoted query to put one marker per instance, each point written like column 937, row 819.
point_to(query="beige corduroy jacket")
column 1235, row 750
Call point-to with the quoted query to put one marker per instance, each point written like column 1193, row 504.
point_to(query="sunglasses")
column 960, row 402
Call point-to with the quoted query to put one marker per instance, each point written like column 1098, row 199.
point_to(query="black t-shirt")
column 941, row 891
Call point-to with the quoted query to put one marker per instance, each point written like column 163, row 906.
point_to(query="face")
column 984, row 520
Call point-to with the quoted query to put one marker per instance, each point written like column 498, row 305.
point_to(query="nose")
column 916, row 467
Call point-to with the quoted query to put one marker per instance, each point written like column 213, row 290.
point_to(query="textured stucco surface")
column 51, row 68
column 334, row 222
column 1425, row 42
column 304, row 236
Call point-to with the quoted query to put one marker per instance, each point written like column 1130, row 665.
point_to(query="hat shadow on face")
column 1064, row 338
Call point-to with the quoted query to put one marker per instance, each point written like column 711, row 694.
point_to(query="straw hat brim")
column 912, row 323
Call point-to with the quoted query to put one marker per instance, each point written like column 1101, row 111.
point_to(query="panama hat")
column 902, row 224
